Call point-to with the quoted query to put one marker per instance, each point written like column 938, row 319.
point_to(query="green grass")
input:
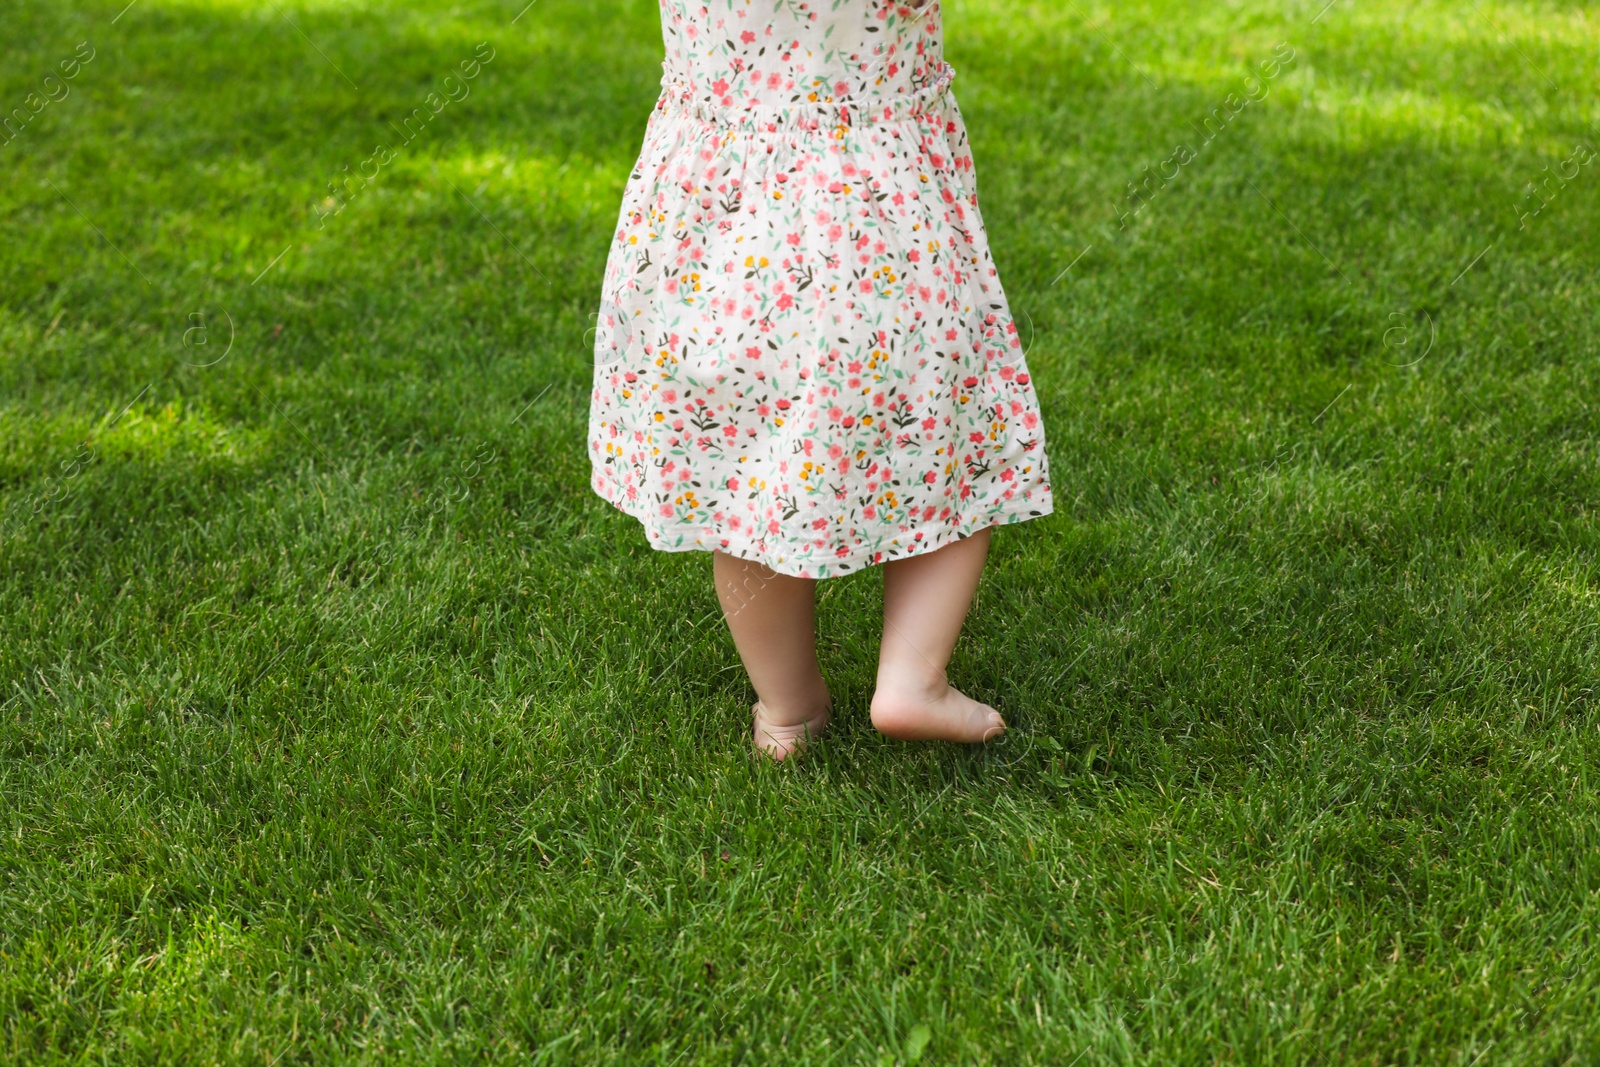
column 341, row 722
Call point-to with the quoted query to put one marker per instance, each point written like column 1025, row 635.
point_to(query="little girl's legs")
column 925, row 601
column 772, row 618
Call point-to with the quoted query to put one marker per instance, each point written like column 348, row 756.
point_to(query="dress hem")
column 932, row 538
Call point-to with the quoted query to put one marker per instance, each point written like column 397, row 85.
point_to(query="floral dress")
column 804, row 356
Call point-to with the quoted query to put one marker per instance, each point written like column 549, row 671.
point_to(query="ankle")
column 793, row 709
column 920, row 682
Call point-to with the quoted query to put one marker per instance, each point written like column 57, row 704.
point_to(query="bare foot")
column 909, row 712
column 780, row 741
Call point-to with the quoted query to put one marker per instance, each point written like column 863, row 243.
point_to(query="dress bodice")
column 777, row 55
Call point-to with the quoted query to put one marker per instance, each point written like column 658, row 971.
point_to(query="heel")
column 780, row 742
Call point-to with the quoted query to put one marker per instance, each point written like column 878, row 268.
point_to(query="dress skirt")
column 804, row 356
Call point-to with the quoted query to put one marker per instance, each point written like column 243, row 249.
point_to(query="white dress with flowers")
column 804, row 356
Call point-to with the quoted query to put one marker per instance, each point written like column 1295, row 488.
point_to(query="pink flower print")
column 748, row 37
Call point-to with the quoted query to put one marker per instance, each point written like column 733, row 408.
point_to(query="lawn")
column 341, row 722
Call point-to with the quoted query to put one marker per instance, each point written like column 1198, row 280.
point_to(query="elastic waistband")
column 679, row 98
